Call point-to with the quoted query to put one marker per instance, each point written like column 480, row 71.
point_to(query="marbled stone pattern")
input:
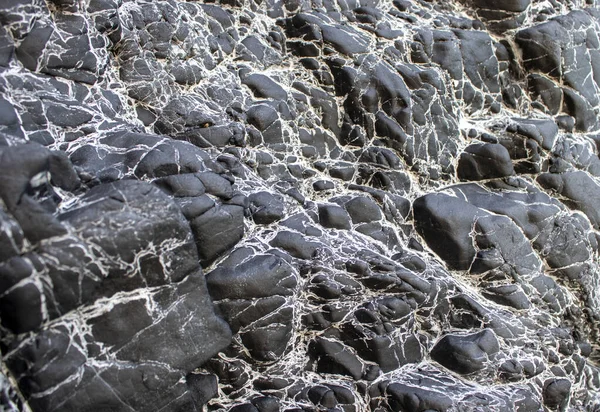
column 299, row 205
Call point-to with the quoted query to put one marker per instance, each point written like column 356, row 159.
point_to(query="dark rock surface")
column 333, row 205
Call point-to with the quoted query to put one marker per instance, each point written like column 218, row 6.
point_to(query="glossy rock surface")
column 240, row 205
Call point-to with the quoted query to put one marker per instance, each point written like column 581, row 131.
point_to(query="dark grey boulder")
column 404, row 397
column 266, row 208
column 578, row 188
column 556, row 393
column 20, row 166
column 251, row 297
column 484, row 161
column 509, row 295
column 261, row 276
column 296, row 245
column 363, row 209
column 156, row 362
column 263, row 86
column 184, row 185
column 217, row 231
column 445, row 224
column 333, row 216
column 468, row 353
column 333, row 357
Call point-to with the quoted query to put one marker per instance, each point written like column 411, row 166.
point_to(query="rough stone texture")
column 333, row 205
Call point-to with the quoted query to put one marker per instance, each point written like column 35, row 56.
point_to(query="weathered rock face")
column 335, row 205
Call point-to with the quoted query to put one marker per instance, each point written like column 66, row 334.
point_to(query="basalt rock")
column 339, row 205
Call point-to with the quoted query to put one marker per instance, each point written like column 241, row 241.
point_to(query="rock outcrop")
column 336, row 205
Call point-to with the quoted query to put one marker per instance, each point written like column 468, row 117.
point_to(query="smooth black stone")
column 510, row 5
column 544, row 56
column 262, row 116
column 192, row 207
column 322, row 185
column 383, row 234
column 332, row 287
column 484, row 161
column 332, row 357
column 203, row 387
column 217, row 231
column 302, row 223
column 333, row 216
column 263, row 86
column 266, row 404
column 260, row 276
column 53, row 354
column 120, row 325
column 219, row 136
column 445, row 223
column 343, row 171
column 581, row 110
column 544, row 132
column 544, row 89
column 468, row 353
column 169, row 159
column 21, row 309
column 580, row 190
column 182, row 114
column 514, row 204
column 556, row 393
column 389, row 355
column 141, row 392
column 184, row 185
column 509, row 295
column 205, row 335
column 380, row 156
column 296, row 245
column 9, row 120
column 216, row 185
column 322, row 396
column 403, row 397
column 363, row 209
column 146, row 116
column 267, row 340
column 149, row 214
column 266, row 208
